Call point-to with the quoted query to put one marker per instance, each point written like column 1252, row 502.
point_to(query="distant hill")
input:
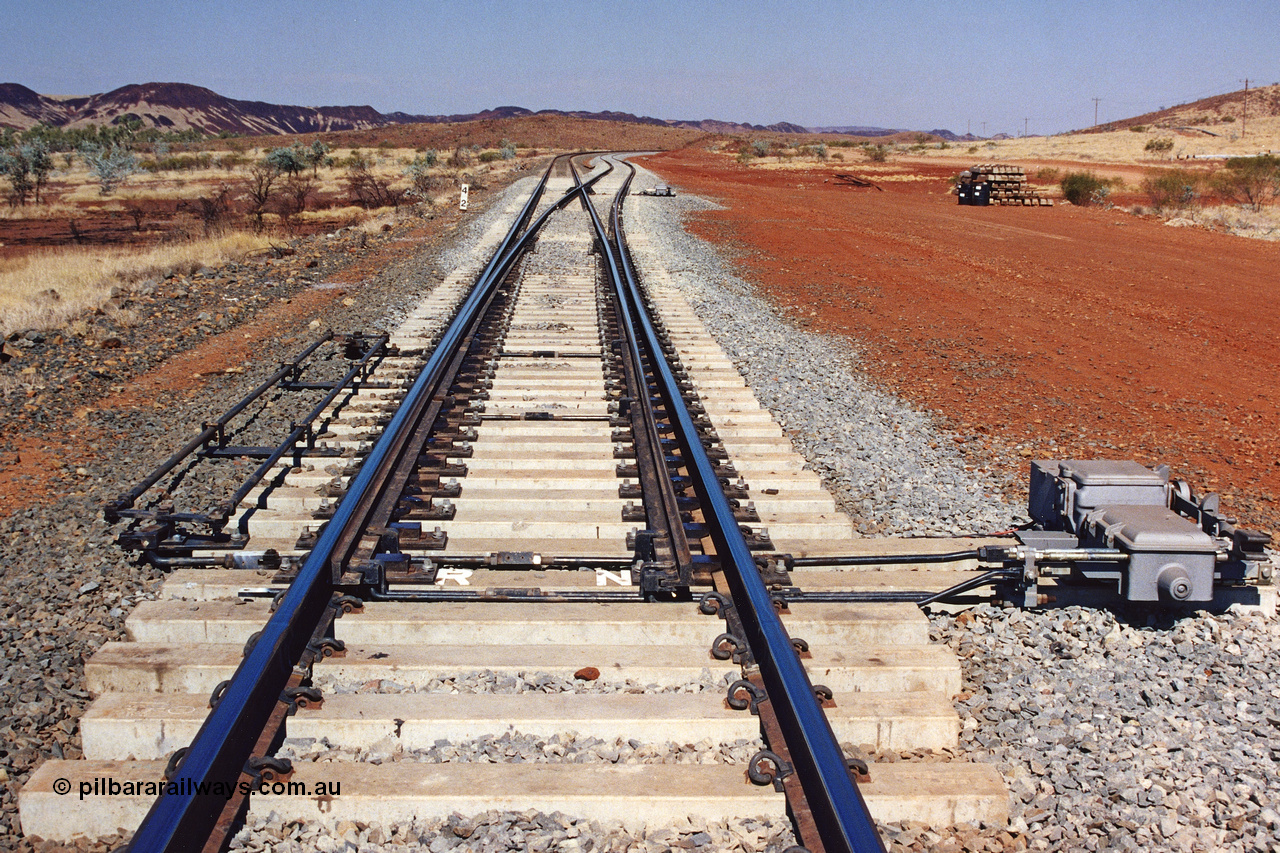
column 179, row 106
column 1206, row 113
column 176, row 106
column 857, row 130
column 182, row 106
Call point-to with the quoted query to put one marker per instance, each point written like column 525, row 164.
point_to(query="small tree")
column 292, row 199
column 38, row 156
column 1250, row 181
column 260, row 190
column 507, row 150
column 214, row 209
column 27, row 166
column 760, row 148
column 111, row 164
column 290, row 161
column 15, row 167
column 316, row 155
column 369, row 191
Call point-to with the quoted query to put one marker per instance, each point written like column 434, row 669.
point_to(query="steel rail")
column 839, row 812
column 220, row 750
column 662, row 507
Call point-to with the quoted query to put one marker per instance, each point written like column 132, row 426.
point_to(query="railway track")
column 545, row 504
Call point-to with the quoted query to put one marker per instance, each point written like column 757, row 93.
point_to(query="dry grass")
column 47, row 290
column 1125, row 146
column 56, row 210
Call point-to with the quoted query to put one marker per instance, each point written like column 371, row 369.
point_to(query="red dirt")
column 32, row 476
column 1036, row 332
column 157, row 221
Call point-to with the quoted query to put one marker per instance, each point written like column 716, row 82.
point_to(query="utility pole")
column 1095, row 111
column 984, row 130
column 1024, row 126
column 1244, row 115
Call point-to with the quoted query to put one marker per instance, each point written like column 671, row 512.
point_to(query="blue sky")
column 917, row 64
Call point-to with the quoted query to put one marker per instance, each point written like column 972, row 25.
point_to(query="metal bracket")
column 216, row 696
column 714, row 604
column 302, row 697
column 268, row 768
column 344, row 604
column 327, row 647
column 175, row 762
column 754, row 696
column 726, row 646
column 766, row 767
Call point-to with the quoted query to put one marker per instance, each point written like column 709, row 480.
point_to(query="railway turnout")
column 545, row 503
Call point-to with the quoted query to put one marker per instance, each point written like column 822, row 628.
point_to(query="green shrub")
column 1138, row 128
column 760, row 148
column 489, row 156
column 290, row 160
column 1159, row 146
column 1173, row 188
column 1081, row 188
column 876, row 153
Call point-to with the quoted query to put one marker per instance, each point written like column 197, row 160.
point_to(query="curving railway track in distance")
column 551, row 476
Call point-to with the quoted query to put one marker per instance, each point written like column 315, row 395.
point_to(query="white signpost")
column 462, row 199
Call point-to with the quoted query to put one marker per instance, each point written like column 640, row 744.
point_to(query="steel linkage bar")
column 226, row 740
column 838, row 810
column 121, row 506
column 301, row 430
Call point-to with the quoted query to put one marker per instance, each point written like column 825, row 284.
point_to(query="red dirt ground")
column 32, row 476
column 156, row 222
column 1036, row 332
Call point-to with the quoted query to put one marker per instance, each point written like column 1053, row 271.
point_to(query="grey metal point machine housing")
column 1120, row 522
